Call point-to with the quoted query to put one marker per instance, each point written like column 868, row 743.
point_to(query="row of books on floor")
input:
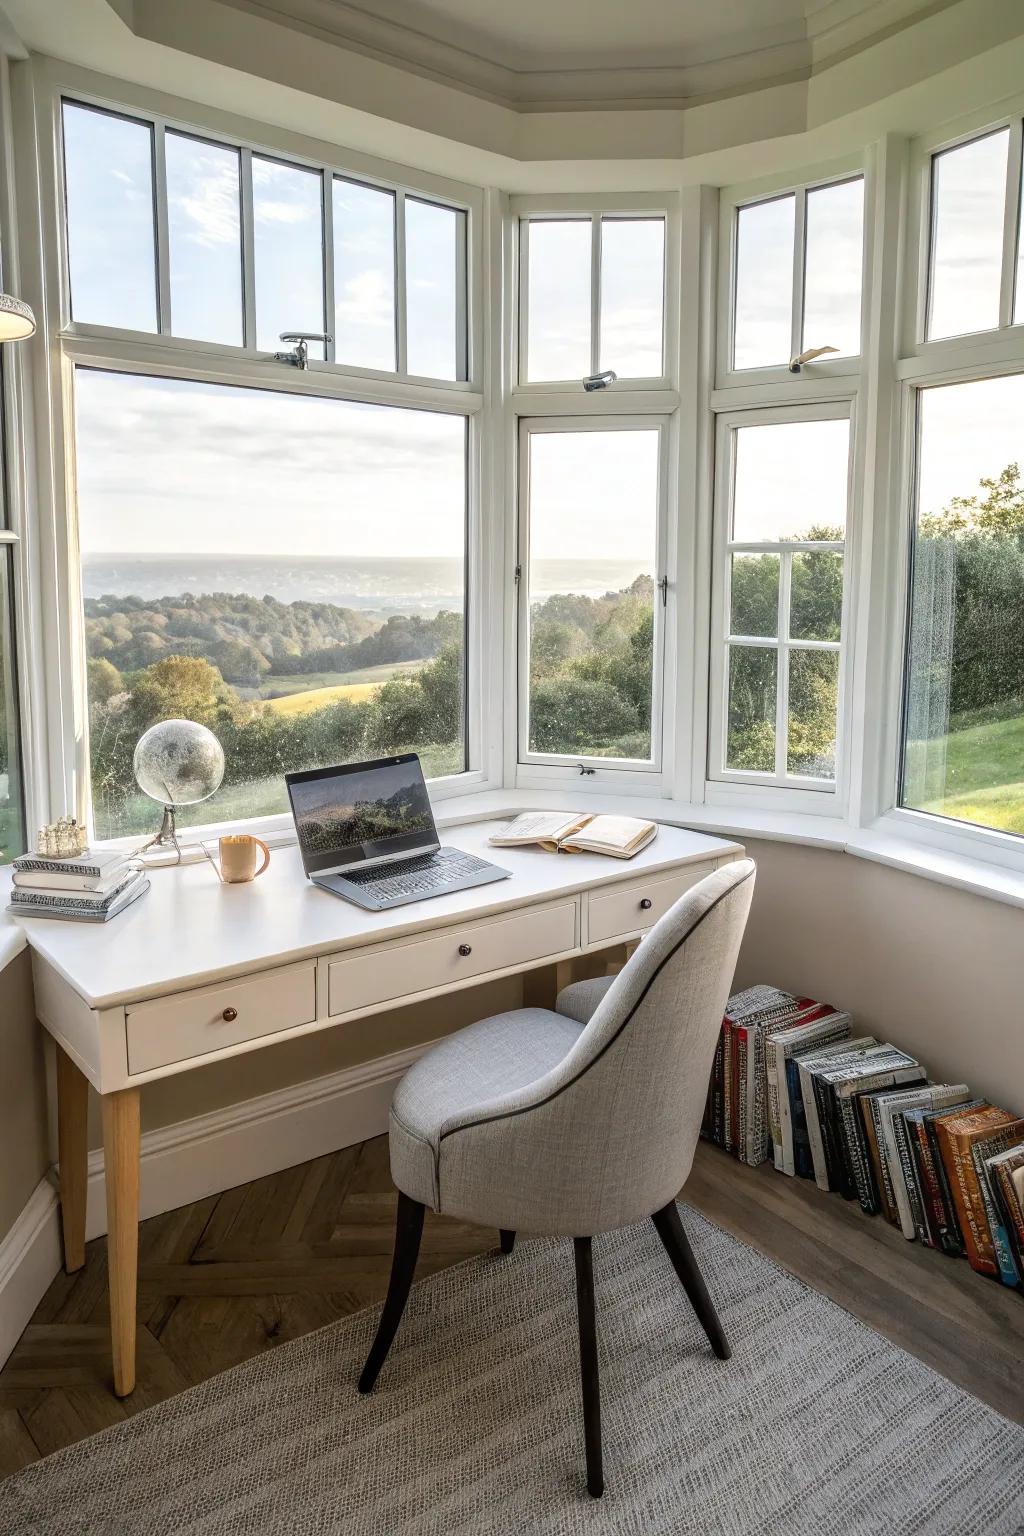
column 92, row 887
column 793, row 1081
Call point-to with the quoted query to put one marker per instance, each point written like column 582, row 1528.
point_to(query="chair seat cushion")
column 579, row 999
column 462, row 1074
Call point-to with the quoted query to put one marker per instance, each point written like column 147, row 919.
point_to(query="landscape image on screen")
column 361, row 807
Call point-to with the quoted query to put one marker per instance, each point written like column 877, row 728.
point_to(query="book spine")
column 717, row 1128
column 912, row 1220
column 935, row 1216
column 727, row 1085
column 950, row 1234
column 1001, row 1246
column 49, row 867
column 808, row 1091
column 802, row 1166
column 1005, row 1184
column 826, row 1115
column 880, row 1160
column 849, row 1127
column 741, row 1092
column 955, row 1151
column 774, row 1112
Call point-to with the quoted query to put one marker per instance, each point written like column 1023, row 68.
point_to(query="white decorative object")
column 16, row 318
column 61, row 839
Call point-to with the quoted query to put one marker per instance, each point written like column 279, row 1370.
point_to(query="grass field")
column 984, row 775
column 319, row 698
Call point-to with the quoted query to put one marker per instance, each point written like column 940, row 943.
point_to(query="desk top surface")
column 189, row 929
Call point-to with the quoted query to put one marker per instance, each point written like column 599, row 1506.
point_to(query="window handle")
column 299, row 356
column 663, row 589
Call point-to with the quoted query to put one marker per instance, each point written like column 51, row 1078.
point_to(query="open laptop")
column 366, row 832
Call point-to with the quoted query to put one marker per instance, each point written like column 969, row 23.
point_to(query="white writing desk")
column 197, row 971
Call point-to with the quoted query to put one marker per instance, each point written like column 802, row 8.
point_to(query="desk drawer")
column 622, row 911
column 193, row 1023
column 399, row 970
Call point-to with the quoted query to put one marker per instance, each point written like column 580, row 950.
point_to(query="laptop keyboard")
column 418, row 876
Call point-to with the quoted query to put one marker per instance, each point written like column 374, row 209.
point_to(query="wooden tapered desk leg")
column 542, row 986
column 121, row 1155
column 72, row 1152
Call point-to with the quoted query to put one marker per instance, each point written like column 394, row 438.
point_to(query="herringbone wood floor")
column 239, row 1273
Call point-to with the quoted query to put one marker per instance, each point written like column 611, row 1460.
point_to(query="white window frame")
column 63, row 344
column 631, row 769
column 849, row 168
column 918, row 355
column 922, row 364
column 727, row 426
column 580, row 208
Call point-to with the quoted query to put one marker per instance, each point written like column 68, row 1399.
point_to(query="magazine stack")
column 91, row 887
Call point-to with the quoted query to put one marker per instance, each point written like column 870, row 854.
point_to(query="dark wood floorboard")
column 238, row 1274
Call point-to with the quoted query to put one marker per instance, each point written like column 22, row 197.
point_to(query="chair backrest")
column 623, row 1110
column 636, row 1080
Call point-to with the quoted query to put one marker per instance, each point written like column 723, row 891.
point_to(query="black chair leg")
column 677, row 1246
column 408, row 1231
column 588, row 1364
column 508, row 1240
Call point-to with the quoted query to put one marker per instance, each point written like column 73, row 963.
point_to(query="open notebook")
column 618, row 836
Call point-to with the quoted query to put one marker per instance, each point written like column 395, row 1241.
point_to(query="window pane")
column 835, row 258
column 754, row 595
column 108, row 167
column 764, row 283
column 964, row 749
column 632, row 296
column 12, row 826
column 432, row 239
column 558, row 299
column 1018, row 302
column 204, row 228
column 750, row 738
column 813, row 704
column 289, row 254
column 591, row 625
column 791, row 481
column 968, row 195
column 269, row 602
column 364, row 276
column 816, row 595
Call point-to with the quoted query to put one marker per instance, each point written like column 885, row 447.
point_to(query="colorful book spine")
column 1006, row 1259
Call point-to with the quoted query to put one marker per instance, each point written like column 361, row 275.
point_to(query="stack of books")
column 792, row 1082
column 92, row 887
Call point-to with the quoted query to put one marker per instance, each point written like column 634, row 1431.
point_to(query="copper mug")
column 238, row 858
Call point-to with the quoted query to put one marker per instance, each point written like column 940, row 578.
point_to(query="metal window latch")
column 518, row 575
column 299, row 355
column 589, row 772
column 663, row 589
column 599, row 380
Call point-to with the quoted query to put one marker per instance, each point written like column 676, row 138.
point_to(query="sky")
column 179, row 467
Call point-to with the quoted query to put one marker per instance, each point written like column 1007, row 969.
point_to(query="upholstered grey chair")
column 577, row 1121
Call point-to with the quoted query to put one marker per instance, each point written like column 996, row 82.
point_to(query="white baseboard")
column 203, row 1156
column 30, row 1256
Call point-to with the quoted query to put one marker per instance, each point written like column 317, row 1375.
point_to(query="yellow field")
column 318, row 698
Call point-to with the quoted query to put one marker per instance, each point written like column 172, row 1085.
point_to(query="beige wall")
column 23, row 1156
column 936, row 970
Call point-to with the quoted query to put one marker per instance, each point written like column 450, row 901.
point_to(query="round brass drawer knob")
column 645, row 903
column 229, row 1015
column 465, row 949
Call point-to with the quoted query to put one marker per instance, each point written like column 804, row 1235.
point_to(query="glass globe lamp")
column 177, row 762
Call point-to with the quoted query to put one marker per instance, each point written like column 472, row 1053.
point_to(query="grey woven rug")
column 816, row 1425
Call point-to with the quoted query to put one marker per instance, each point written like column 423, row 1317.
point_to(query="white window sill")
column 881, row 843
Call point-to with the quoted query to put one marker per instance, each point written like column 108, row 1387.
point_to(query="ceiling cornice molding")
column 661, row 78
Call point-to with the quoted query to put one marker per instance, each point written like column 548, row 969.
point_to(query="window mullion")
column 1011, row 224
column 327, row 212
column 595, row 293
column 401, row 312
column 799, row 273
column 248, row 252
column 782, row 672
column 163, row 240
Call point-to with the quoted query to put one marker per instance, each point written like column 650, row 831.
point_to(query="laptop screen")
column 360, row 812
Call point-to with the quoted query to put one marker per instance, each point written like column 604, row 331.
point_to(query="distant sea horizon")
column 380, row 584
